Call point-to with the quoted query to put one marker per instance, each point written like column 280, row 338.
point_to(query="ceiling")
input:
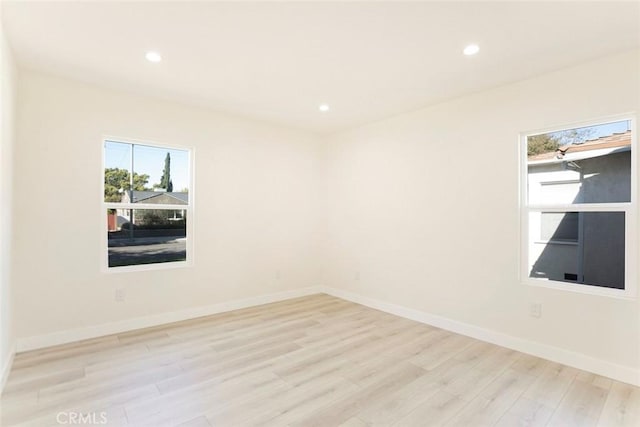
column 279, row 61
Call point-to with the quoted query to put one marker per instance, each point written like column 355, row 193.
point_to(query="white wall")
column 423, row 211
column 258, row 207
column 7, row 97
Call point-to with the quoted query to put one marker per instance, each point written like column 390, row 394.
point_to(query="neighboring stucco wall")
column 606, row 179
column 598, row 255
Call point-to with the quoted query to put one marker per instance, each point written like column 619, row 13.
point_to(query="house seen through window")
column 577, row 201
column 147, row 203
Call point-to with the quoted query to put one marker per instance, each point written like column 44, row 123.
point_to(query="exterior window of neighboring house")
column 578, row 198
column 147, row 201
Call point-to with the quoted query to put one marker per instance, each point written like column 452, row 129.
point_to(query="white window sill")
column 580, row 288
column 555, row 242
column 148, row 267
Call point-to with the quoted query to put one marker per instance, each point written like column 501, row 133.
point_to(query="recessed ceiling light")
column 472, row 49
column 153, row 56
column 323, row 107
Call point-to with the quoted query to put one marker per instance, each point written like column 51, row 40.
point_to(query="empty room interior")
column 319, row 213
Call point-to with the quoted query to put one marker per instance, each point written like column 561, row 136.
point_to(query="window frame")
column 189, row 209
column 629, row 209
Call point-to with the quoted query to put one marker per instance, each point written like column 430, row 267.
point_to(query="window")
column 147, row 202
column 579, row 207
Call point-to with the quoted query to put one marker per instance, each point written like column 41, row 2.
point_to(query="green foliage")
column 116, row 179
column 171, row 225
column 539, row 144
column 165, row 180
column 159, row 218
column 550, row 142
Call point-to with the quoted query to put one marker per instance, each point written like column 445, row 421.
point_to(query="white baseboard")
column 79, row 334
column 6, row 369
column 555, row 354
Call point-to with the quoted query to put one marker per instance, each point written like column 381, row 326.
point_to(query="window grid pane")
column 578, row 191
column 146, row 219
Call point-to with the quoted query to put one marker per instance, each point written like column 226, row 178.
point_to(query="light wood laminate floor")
column 312, row 361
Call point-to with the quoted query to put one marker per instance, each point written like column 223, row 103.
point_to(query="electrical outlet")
column 357, row 276
column 121, row 295
column 535, row 310
column 278, row 275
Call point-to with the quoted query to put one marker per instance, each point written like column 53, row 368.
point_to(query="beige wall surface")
column 7, row 107
column 423, row 210
column 257, row 197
